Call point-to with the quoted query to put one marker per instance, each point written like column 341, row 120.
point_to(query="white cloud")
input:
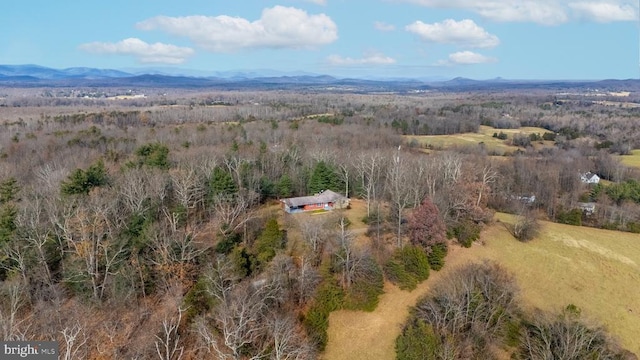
column 469, row 57
column 462, row 33
column 278, row 27
column 541, row 12
column 603, row 12
column 382, row 26
column 368, row 59
column 144, row 52
column 545, row 12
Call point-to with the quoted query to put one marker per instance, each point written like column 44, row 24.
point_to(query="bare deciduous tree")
column 370, row 172
column 488, row 176
column 35, row 230
column 222, row 278
column 450, row 167
column 158, row 185
column 174, row 249
column 90, row 234
column 188, row 188
column 399, row 189
column 232, row 213
column 314, row 232
column 17, row 253
column 348, row 257
column 566, row 338
column 526, row 226
column 418, row 179
column 241, row 322
column 307, row 279
column 168, row 342
column 74, row 341
column 133, row 190
column 12, row 301
column 344, row 168
column 474, row 302
column 287, row 342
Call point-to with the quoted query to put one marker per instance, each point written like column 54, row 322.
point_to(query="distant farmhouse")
column 588, row 208
column 325, row 200
column 526, row 199
column 589, row 178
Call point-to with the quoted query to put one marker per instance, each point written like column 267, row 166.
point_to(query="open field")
column 597, row 270
column 632, row 160
column 483, row 136
column 363, row 335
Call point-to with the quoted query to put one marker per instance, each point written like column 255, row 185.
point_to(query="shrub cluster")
column 473, row 312
column 466, row 232
column 329, row 297
column 367, row 287
column 408, row 267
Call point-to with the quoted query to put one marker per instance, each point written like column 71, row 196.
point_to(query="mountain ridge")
column 35, row 75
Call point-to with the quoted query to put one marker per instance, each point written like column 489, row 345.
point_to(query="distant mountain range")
column 45, row 73
column 35, row 75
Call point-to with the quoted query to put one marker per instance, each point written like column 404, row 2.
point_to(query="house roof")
column 325, row 196
column 590, row 176
column 586, row 204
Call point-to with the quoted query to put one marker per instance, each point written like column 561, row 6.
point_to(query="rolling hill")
column 596, row 270
column 35, row 75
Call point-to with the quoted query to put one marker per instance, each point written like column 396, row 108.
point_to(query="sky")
column 478, row 39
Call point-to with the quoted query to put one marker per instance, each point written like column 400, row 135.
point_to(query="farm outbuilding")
column 325, row 200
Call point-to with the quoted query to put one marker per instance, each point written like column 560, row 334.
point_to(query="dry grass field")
column 483, row 136
column 355, row 335
column 597, row 270
column 632, row 160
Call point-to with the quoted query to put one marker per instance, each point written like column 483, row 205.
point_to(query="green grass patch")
column 632, row 160
column 597, row 270
column 484, row 137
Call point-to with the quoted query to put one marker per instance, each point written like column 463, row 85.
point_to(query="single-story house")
column 589, row 178
column 587, row 207
column 525, row 199
column 325, row 200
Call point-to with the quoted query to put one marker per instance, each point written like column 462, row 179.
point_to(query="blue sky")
column 480, row 39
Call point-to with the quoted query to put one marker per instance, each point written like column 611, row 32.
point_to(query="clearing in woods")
column 483, row 136
column 632, row 160
column 597, row 270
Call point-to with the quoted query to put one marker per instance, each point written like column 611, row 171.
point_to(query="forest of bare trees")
column 150, row 228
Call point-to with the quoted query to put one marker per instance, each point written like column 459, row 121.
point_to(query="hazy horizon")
column 531, row 40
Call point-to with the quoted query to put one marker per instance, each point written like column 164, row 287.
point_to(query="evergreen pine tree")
column 222, row 183
column 270, row 240
column 324, row 177
column 82, row 181
column 8, row 190
column 285, row 186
